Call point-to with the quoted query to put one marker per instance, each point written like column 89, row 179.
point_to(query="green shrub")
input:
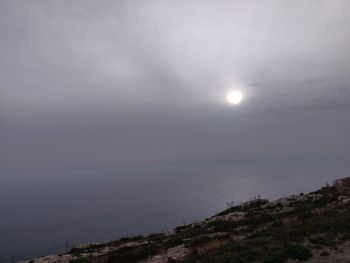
column 298, row 252
column 222, row 226
column 132, row 254
column 324, row 254
column 278, row 258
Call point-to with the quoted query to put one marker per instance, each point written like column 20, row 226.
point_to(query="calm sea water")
column 42, row 213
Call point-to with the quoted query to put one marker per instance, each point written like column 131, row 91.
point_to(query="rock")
column 285, row 209
column 171, row 233
column 234, row 216
column 176, row 253
column 283, row 201
column 214, row 235
column 344, row 199
column 238, row 237
column 256, row 202
column 51, row 259
column 343, row 184
column 132, row 244
column 315, row 196
column 156, row 259
column 293, row 200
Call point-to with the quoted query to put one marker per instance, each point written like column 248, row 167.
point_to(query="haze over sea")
column 52, row 209
column 131, row 117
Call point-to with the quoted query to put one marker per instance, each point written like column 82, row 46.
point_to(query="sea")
column 49, row 212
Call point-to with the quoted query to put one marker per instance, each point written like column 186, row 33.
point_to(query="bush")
column 274, row 259
column 324, row 254
column 79, row 260
column 298, row 251
column 132, row 254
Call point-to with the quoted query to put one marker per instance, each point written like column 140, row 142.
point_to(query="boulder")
column 343, row 184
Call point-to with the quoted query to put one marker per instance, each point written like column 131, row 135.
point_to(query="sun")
column 234, row 97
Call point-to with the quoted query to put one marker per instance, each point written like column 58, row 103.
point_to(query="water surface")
column 43, row 213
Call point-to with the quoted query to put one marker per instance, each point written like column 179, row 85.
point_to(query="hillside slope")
column 312, row 227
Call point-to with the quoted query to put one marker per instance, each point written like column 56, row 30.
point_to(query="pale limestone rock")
column 156, row 259
column 214, row 235
column 343, row 184
column 234, row 216
column 315, row 196
column 176, row 253
column 51, row 259
column 344, row 199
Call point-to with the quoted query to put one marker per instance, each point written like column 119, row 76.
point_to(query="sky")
column 103, row 84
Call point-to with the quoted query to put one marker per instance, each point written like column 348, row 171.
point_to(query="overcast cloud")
column 94, row 84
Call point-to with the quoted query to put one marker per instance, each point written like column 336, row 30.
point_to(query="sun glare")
column 234, row 97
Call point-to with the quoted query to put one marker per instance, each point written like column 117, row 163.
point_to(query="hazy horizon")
column 140, row 90
column 89, row 84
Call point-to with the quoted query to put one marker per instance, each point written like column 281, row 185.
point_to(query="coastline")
column 256, row 222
